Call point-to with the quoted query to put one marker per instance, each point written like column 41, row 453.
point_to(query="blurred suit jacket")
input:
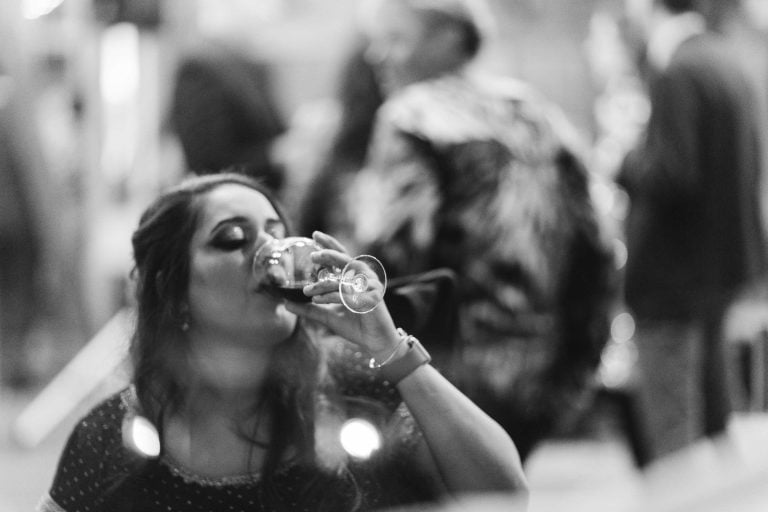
column 695, row 235
column 694, row 229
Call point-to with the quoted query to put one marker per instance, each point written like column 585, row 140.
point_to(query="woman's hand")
column 374, row 331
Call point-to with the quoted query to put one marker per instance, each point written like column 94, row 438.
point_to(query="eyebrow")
column 239, row 219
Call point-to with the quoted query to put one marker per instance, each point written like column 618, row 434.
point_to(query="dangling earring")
column 184, row 318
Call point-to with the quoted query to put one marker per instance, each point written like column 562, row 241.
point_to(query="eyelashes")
column 231, row 238
column 235, row 237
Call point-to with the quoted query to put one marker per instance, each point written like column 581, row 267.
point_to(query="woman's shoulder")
column 99, row 432
column 94, row 454
column 106, row 411
column 108, row 414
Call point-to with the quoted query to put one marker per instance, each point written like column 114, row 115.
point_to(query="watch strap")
column 400, row 368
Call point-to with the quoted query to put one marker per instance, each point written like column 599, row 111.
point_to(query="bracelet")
column 403, row 337
column 402, row 367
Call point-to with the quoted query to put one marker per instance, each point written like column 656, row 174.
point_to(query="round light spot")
column 141, row 436
column 359, row 438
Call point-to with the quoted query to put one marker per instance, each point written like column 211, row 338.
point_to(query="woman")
column 248, row 392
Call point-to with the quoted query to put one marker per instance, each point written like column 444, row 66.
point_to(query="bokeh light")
column 141, row 436
column 359, row 438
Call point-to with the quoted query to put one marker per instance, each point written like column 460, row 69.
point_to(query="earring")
column 184, row 318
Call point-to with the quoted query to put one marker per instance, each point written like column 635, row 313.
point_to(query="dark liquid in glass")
column 294, row 293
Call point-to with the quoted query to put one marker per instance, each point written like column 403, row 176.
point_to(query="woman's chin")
column 285, row 321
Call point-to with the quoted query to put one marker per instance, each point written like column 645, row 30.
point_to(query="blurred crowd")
column 621, row 259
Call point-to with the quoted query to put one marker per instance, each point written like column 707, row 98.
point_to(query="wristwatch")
column 400, row 368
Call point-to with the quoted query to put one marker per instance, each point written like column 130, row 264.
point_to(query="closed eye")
column 231, row 238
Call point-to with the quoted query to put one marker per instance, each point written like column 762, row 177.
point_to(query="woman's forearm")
column 473, row 452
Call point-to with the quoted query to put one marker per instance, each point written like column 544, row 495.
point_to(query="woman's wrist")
column 394, row 350
column 406, row 358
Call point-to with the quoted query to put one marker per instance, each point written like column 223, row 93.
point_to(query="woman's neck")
column 212, row 435
column 227, row 371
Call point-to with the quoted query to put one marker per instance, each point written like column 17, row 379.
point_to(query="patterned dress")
column 97, row 472
column 482, row 177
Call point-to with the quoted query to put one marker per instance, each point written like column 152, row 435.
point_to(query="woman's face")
column 225, row 298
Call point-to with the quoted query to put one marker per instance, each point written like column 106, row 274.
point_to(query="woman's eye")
column 230, row 239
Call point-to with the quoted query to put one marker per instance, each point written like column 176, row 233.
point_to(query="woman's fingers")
column 330, row 258
column 308, row 310
column 327, row 298
column 334, row 316
column 327, row 240
column 321, row 287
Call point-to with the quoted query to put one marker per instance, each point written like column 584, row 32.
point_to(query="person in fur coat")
column 483, row 176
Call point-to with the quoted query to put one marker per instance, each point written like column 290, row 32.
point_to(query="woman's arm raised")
column 471, row 451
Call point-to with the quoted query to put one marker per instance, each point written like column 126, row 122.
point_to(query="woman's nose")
column 262, row 240
column 264, row 245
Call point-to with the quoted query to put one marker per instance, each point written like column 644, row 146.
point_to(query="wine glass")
column 288, row 268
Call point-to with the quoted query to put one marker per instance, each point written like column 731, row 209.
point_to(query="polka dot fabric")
column 97, row 473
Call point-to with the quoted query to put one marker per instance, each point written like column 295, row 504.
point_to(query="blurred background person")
column 224, row 112
column 358, row 96
column 20, row 239
column 695, row 236
column 484, row 176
